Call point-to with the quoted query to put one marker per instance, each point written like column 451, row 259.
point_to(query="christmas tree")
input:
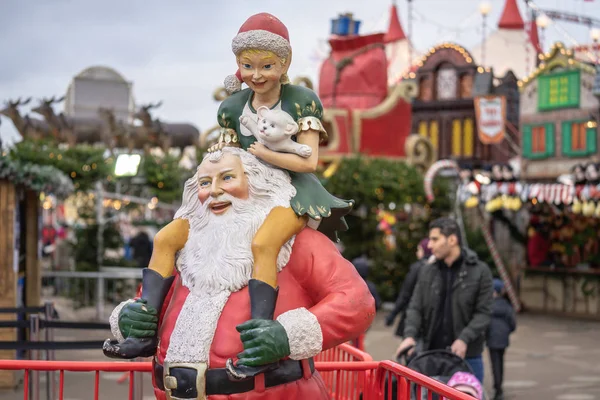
column 390, row 216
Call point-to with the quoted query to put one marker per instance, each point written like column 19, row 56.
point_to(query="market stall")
column 561, row 270
column 20, row 188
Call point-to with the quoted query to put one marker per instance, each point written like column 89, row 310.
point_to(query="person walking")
column 502, row 325
column 142, row 248
column 408, row 287
column 452, row 302
column 362, row 265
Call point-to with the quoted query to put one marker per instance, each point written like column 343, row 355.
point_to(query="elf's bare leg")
column 278, row 228
column 167, row 242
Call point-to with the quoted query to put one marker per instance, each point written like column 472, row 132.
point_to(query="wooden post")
column 8, row 275
column 33, row 277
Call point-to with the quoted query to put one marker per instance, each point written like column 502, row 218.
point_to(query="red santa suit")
column 322, row 302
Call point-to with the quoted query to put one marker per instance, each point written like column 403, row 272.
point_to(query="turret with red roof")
column 511, row 46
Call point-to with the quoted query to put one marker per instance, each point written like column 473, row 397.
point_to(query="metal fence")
column 37, row 342
column 101, row 290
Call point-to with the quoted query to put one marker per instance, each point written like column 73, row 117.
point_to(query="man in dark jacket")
column 502, row 325
column 452, row 302
column 408, row 287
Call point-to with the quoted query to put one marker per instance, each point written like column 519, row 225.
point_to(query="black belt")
column 217, row 381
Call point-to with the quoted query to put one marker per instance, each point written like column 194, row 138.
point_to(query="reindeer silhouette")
column 26, row 126
column 167, row 135
column 55, row 124
column 143, row 114
column 118, row 134
column 155, row 134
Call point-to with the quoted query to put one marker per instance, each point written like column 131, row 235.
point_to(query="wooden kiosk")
column 19, row 213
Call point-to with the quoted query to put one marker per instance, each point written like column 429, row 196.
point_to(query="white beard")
column 217, row 256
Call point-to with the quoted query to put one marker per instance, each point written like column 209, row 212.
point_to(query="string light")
column 444, row 46
column 550, row 59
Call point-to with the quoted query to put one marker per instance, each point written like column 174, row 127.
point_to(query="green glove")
column 138, row 320
column 265, row 341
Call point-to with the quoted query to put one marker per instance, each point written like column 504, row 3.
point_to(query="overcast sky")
column 180, row 51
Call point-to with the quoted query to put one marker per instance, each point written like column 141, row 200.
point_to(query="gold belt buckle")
column 170, row 382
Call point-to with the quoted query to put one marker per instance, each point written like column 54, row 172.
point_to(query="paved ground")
column 550, row 358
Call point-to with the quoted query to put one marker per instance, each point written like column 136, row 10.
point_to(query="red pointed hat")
column 262, row 32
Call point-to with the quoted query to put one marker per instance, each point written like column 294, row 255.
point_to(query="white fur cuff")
column 114, row 321
column 261, row 40
column 304, row 333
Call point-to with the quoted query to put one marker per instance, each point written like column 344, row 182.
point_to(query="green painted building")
column 559, row 116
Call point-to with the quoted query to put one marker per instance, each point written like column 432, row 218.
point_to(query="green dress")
column 304, row 106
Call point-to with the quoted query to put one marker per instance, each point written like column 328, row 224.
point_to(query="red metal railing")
column 352, row 375
column 341, row 382
column 75, row 366
column 408, row 380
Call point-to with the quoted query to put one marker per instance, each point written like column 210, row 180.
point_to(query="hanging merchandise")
column 469, row 189
column 387, row 222
column 494, row 197
column 577, row 206
column 511, row 200
column 498, row 188
column 582, row 199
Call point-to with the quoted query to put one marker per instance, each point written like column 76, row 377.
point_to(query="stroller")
column 436, row 364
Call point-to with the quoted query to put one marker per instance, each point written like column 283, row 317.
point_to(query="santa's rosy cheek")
column 202, row 196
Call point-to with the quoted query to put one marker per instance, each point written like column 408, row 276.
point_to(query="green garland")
column 39, row 178
column 84, row 164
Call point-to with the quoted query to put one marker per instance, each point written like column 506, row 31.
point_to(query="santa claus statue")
column 201, row 317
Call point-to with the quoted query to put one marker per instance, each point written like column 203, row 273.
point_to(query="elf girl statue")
column 263, row 54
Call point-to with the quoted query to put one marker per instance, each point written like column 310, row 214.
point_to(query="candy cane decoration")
column 500, row 266
column 428, row 181
column 432, row 172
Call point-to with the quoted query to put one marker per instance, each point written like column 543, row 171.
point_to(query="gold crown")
column 227, row 138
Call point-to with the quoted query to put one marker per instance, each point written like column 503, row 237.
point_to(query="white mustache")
column 225, row 197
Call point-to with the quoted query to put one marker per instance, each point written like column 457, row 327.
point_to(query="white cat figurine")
column 274, row 129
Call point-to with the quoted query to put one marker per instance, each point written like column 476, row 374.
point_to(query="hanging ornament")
column 592, row 176
column 390, row 242
column 588, row 208
column 577, row 206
